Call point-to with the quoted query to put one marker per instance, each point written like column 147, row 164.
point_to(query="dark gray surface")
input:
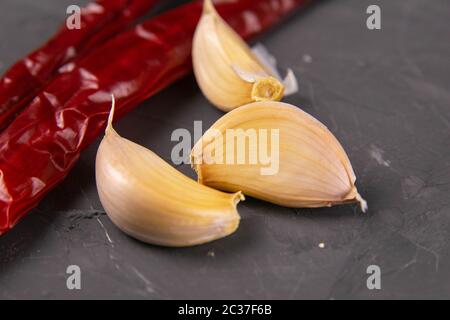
column 384, row 94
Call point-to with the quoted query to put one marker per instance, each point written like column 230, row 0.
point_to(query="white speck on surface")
column 307, row 58
column 211, row 253
column 321, row 245
column 377, row 154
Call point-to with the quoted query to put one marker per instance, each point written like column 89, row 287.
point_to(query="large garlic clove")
column 227, row 71
column 149, row 200
column 299, row 163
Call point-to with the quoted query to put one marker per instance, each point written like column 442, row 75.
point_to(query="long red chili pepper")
column 44, row 142
column 99, row 21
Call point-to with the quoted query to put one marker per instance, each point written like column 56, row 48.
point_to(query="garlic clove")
column 227, row 71
column 150, row 200
column 308, row 167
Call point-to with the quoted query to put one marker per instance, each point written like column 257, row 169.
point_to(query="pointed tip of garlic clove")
column 354, row 197
column 109, row 126
column 208, row 7
column 362, row 203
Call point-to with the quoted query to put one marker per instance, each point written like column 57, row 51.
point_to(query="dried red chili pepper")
column 99, row 21
column 44, row 142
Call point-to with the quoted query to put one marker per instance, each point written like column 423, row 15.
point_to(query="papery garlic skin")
column 314, row 170
column 227, row 71
column 150, row 200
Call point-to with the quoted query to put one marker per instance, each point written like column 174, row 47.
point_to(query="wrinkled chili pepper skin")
column 44, row 142
column 99, row 21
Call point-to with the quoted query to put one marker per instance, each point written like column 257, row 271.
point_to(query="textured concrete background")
column 384, row 94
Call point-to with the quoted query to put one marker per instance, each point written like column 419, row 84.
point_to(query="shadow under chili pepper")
column 55, row 217
column 23, row 242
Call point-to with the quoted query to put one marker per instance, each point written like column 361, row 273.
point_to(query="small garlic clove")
column 303, row 165
column 150, row 200
column 227, row 71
